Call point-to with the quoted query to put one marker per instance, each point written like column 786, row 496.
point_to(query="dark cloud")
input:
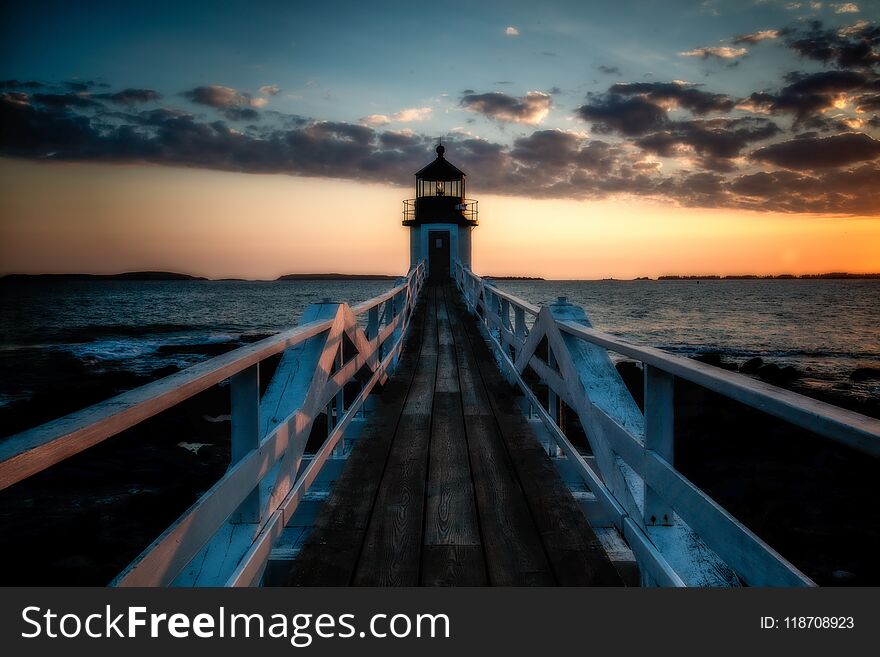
column 61, row 101
column 16, row 84
column 235, row 105
column 856, row 46
column 810, row 94
column 241, row 114
column 546, row 148
column 868, row 102
column 638, row 108
column 814, row 174
column 853, row 191
column 609, row 70
column 628, row 116
column 715, row 141
column 529, row 109
column 687, row 96
column 809, row 153
column 131, row 96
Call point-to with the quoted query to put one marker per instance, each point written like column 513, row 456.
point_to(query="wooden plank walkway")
column 447, row 486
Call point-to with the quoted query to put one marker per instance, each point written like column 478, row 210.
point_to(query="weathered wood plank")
column 573, row 550
column 453, row 565
column 391, row 554
column 450, row 512
column 513, row 548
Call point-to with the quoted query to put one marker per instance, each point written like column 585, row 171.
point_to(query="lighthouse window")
column 441, row 188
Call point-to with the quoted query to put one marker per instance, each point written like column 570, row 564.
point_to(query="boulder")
column 752, row 365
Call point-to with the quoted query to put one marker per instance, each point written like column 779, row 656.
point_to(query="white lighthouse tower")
column 440, row 218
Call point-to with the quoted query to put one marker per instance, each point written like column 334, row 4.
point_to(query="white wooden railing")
column 678, row 534
column 234, row 524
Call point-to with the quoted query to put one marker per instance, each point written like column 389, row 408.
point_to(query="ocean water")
column 826, row 329
column 144, row 326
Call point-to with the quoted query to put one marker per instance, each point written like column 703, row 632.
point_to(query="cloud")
column 235, row 105
column 408, row 115
column 756, row 37
column 412, row 114
column 672, row 95
column 530, row 109
column 375, row 120
column 269, row 89
column 854, row 46
column 698, row 160
column 809, row 153
column 638, row 108
column 628, row 116
column 718, row 52
column 846, row 8
column 811, row 94
column 66, row 100
column 131, row 96
column 609, row 70
column 511, row 31
column 15, row 84
column 715, row 142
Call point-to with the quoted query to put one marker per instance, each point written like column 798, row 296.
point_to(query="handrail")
column 847, row 427
column 657, row 510
column 264, row 447
column 31, row 451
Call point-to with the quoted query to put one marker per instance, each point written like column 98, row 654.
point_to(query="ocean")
column 824, row 328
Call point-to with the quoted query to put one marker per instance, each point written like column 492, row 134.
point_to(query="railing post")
column 340, row 407
column 659, row 435
column 519, row 327
column 373, row 323
column 245, row 398
column 552, row 403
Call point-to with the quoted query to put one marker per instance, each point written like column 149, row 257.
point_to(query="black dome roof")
column 440, row 169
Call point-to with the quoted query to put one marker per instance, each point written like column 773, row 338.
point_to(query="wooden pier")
column 449, row 486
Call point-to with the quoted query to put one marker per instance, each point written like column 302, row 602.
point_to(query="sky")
column 624, row 139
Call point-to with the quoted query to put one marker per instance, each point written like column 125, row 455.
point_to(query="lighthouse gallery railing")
column 269, row 475
column 667, row 521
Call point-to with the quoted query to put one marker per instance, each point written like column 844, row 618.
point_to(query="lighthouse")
column 440, row 218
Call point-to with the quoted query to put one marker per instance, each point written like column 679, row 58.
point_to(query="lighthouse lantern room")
column 440, row 218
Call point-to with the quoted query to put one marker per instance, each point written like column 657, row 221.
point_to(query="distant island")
column 125, row 276
column 174, row 276
column 514, row 278
column 337, row 277
column 751, row 277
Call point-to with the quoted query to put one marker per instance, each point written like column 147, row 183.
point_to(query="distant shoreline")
column 175, row 276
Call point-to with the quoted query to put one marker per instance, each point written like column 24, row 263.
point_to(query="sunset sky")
column 624, row 139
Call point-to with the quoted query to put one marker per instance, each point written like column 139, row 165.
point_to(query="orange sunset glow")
column 104, row 219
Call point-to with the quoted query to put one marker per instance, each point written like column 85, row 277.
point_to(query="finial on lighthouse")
column 440, row 148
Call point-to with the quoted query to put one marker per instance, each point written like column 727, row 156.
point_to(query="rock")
column 711, row 358
column 752, row 365
column 772, row 373
column 865, row 374
column 714, row 358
